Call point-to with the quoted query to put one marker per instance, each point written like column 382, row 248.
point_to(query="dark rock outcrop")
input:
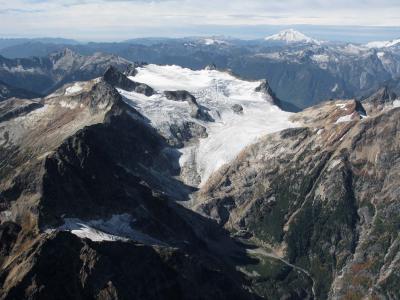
column 265, row 88
column 131, row 69
column 117, row 79
column 237, row 108
column 8, row 235
column 186, row 133
column 181, row 96
column 211, row 67
column 197, row 111
column 270, row 96
column 360, row 109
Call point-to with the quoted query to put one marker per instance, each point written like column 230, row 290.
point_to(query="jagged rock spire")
column 265, row 88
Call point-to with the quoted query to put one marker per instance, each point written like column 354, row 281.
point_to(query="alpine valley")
column 196, row 175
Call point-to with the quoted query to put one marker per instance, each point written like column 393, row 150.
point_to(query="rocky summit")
column 170, row 183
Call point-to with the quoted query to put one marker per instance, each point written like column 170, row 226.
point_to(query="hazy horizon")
column 118, row 20
column 354, row 34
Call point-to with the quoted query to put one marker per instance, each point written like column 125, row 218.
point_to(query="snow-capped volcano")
column 383, row 44
column 291, row 36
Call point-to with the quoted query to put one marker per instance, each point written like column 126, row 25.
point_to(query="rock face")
column 270, row 96
column 130, row 71
column 8, row 235
column 322, row 198
column 267, row 91
column 197, row 111
column 119, row 80
column 186, row 133
column 381, row 99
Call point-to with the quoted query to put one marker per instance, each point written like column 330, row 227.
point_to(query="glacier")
column 216, row 91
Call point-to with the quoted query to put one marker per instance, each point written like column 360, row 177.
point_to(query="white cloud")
column 118, row 19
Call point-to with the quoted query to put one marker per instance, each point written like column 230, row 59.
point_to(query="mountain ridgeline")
column 314, row 70
column 43, row 75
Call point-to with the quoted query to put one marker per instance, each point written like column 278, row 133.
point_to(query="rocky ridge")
column 321, row 198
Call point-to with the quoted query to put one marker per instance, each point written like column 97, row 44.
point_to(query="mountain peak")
column 291, row 36
column 65, row 59
column 66, row 52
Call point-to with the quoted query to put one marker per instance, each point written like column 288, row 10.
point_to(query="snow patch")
column 74, row 89
column 273, row 55
column 353, row 49
column 396, row 103
column 117, row 228
column 341, row 106
column 211, row 41
column 70, row 105
column 334, row 163
column 320, row 58
column 380, row 55
column 20, row 69
column 5, row 215
column 347, row 118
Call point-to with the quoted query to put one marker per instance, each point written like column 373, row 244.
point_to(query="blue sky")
column 115, row 20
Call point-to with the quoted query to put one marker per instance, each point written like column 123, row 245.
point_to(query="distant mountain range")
column 314, row 70
column 7, row 91
column 10, row 42
column 42, row 75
